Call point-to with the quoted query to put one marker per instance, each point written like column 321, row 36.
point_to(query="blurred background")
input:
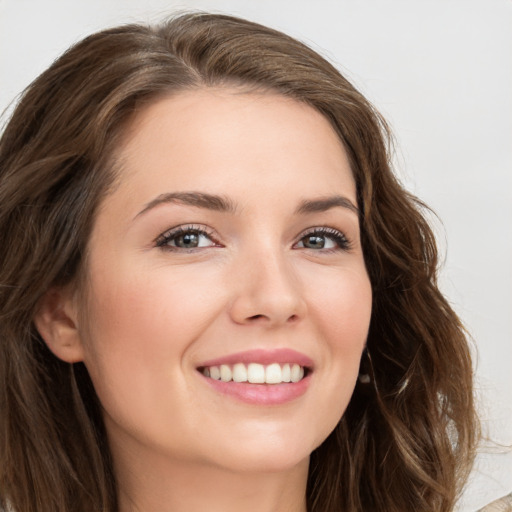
column 440, row 71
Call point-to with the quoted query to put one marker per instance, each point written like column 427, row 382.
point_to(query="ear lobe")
column 56, row 321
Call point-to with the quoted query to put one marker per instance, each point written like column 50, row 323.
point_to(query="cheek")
column 136, row 323
column 344, row 307
column 144, row 310
column 140, row 327
column 343, row 315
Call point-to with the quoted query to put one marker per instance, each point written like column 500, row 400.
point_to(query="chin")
column 266, row 455
column 267, row 463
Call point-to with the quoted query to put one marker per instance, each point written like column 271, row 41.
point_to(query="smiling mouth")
column 255, row 373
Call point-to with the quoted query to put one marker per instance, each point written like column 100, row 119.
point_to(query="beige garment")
column 502, row 505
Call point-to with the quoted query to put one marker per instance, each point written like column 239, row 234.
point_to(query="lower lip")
column 261, row 394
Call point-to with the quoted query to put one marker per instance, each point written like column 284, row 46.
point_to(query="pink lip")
column 262, row 394
column 262, row 356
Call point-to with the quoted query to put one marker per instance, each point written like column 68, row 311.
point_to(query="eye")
column 323, row 239
column 185, row 237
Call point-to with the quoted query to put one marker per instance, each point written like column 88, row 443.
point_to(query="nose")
column 267, row 291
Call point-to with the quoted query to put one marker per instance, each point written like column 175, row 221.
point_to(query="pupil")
column 315, row 242
column 189, row 240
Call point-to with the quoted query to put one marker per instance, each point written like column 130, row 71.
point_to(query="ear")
column 56, row 321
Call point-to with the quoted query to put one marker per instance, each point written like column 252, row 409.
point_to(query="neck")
column 181, row 486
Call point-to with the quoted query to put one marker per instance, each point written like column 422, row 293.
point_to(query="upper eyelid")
column 188, row 227
column 315, row 229
column 325, row 230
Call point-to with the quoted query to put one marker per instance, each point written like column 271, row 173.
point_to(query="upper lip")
column 262, row 356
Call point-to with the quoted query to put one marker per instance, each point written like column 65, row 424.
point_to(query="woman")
column 214, row 291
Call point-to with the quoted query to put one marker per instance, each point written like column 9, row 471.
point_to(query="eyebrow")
column 197, row 199
column 224, row 204
column 326, row 203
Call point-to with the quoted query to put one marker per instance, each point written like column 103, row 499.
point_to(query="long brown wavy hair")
column 407, row 438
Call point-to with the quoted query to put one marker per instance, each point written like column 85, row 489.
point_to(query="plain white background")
column 440, row 72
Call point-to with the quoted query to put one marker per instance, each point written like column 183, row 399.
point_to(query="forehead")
column 228, row 139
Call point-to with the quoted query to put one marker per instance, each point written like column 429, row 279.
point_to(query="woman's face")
column 231, row 247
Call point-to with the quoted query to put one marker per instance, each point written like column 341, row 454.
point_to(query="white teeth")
column 239, row 373
column 215, row 372
column 273, row 374
column 225, row 373
column 286, row 375
column 256, row 373
column 296, row 372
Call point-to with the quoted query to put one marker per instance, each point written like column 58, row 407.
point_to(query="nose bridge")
column 268, row 288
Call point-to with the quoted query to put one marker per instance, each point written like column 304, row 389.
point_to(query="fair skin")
column 233, row 228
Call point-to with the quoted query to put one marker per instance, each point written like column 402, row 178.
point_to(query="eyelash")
column 342, row 242
column 164, row 239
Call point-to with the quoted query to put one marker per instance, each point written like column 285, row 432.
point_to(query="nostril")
column 256, row 317
column 292, row 318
